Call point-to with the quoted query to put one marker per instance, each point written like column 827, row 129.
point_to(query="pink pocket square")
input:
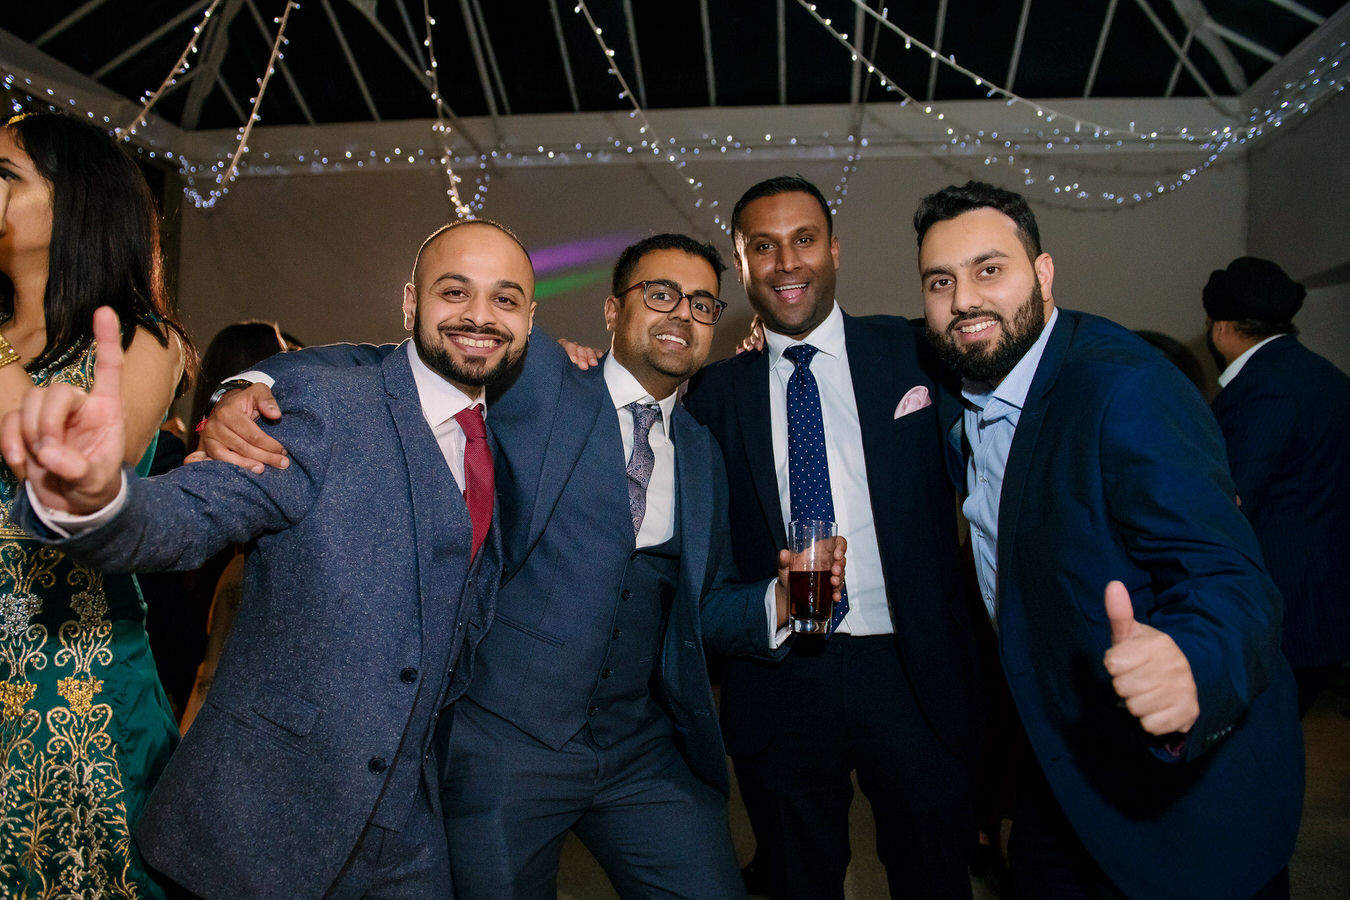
column 915, row 399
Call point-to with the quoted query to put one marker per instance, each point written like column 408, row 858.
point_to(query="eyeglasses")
column 662, row 296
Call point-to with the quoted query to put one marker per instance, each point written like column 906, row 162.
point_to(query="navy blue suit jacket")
column 359, row 599
column 563, row 502
column 1117, row 471
column 1286, row 420
column 913, row 508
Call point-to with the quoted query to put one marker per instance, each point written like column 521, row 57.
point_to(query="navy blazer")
column 1286, row 420
column 563, row 503
column 359, row 598
column 913, row 509
column 1117, row 471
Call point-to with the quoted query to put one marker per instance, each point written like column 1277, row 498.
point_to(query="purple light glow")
column 602, row 249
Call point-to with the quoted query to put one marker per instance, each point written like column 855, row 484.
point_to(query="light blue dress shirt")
column 990, row 421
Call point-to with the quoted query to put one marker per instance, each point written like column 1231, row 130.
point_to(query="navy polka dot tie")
column 808, row 466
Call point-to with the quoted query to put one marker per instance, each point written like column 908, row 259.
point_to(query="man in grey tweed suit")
column 310, row 770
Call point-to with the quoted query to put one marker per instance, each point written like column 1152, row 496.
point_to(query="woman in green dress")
column 84, row 725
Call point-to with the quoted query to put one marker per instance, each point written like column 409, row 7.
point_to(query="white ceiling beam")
column 1016, row 56
column 566, row 56
column 490, row 52
column 1196, row 18
column 1299, row 10
column 708, row 51
column 68, row 21
column 1101, row 47
column 150, row 39
column 631, row 25
column 937, row 47
column 782, row 53
column 351, row 59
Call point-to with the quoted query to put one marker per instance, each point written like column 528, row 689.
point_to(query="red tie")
column 478, row 484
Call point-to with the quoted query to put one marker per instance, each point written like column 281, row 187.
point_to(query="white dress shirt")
column 868, row 610
column 658, row 522
column 1236, row 365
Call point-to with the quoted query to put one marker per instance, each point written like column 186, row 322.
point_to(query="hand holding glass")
column 811, row 543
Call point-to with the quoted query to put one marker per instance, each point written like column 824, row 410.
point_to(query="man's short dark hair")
column 782, row 184
column 629, row 258
column 460, row 223
column 953, row 201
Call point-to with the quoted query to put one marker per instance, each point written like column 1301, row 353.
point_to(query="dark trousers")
column 1048, row 862
column 412, row 863
column 853, row 710
column 509, row 800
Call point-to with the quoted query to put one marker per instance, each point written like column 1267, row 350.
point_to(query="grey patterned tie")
column 642, row 461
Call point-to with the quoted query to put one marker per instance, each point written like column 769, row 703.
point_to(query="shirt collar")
column 1236, row 365
column 624, row 388
column 1012, row 391
column 440, row 399
column 827, row 337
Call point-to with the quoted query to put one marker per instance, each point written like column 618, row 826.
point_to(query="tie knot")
column 644, row 415
column 470, row 419
column 801, row 355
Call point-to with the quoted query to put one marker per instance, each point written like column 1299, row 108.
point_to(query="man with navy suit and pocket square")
column 1137, row 628
column 834, row 418
column 590, row 708
column 1285, row 415
column 373, row 563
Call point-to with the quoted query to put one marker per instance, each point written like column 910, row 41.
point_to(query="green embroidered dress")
column 85, row 727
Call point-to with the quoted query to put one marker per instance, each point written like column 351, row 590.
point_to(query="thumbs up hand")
column 68, row 444
column 1148, row 670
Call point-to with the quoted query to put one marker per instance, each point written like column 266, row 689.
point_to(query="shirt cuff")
column 777, row 636
column 69, row 524
column 256, row 377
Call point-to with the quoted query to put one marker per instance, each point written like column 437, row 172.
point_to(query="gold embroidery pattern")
column 64, row 833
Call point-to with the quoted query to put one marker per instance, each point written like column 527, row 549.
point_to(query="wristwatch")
column 233, row 384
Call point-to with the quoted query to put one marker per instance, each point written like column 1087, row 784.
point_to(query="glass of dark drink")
column 810, row 593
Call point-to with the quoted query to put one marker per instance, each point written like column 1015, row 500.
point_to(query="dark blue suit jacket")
column 1286, row 420
column 1117, row 471
column 913, row 509
column 563, row 502
column 359, row 599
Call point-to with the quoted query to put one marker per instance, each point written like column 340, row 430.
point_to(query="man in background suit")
column 1137, row 629
column 590, row 707
column 1285, row 415
column 370, row 580
column 893, row 693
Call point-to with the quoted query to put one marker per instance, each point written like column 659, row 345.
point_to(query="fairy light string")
column 442, row 129
column 225, row 178
column 179, row 67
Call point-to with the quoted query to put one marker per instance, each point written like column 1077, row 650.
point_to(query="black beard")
column 979, row 364
column 476, row 373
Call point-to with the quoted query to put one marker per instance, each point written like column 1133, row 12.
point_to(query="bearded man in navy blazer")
column 893, row 693
column 1138, row 631
column 369, row 580
column 1285, row 415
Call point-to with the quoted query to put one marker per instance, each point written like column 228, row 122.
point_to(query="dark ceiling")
column 362, row 60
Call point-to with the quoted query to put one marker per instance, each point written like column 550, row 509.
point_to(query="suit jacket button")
column 590, row 713
column 377, row 764
column 408, row 675
column 633, row 555
column 605, row 673
column 616, row 633
column 626, row 594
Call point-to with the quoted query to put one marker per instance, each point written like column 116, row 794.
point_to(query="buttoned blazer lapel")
column 752, row 388
column 1023, row 449
column 440, row 516
column 542, row 422
column 693, row 482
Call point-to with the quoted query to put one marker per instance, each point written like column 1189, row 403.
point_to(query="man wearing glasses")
column 589, row 706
